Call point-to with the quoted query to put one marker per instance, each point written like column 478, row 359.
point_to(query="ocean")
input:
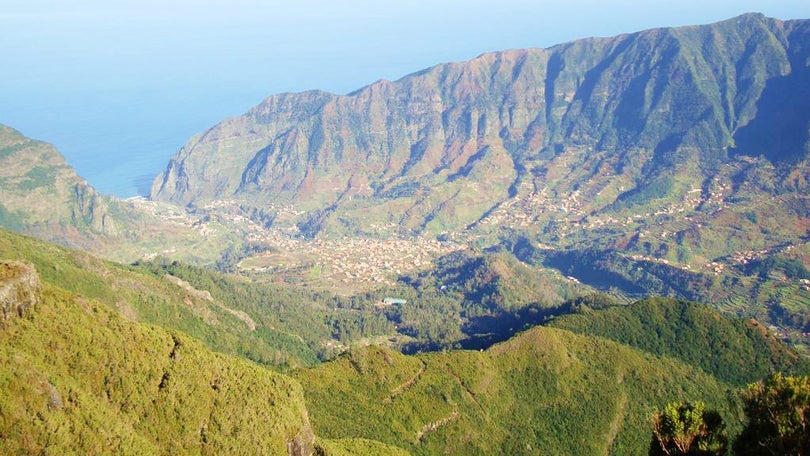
column 120, row 140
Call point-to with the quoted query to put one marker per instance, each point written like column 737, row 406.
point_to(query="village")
column 379, row 260
column 351, row 261
column 348, row 265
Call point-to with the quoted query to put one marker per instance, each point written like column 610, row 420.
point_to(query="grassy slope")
column 99, row 379
column 545, row 390
column 148, row 297
column 734, row 350
column 79, row 379
column 358, row 447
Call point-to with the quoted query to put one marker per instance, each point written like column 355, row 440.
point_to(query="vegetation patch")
column 37, row 177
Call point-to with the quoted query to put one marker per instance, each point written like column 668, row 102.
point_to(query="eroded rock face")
column 439, row 149
column 44, row 196
column 302, row 444
column 19, row 288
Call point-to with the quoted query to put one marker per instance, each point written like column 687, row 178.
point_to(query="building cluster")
column 357, row 260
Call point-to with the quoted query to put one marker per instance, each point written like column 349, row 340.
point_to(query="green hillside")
column 84, row 373
column 77, row 378
column 358, row 447
column 141, row 295
column 545, row 391
column 308, row 324
column 40, row 193
column 734, row 350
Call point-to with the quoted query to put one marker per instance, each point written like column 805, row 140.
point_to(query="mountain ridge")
column 499, row 400
column 670, row 157
column 42, row 193
column 442, row 148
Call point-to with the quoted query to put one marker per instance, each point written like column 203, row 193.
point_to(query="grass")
column 150, row 298
column 77, row 378
column 545, row 390
column 358, row 447
column 36, row 177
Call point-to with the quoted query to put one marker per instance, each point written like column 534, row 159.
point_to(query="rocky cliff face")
column 442, row 148
column 41, row 194
column 19, row 288
column 303, row 444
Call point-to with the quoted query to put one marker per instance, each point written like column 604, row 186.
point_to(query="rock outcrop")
column 303, row 444
column 19, row 288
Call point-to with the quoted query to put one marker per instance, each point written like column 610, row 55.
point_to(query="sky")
column 119, row 85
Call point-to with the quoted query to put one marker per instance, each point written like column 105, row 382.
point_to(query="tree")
column 778, row 413
column 686, row 428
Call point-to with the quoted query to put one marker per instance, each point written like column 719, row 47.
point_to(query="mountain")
column 663, row 162
column 79, row 378
column 482, row 198
column 734, row 350
column 41, row 194
column 545, row 391
column 580, row 136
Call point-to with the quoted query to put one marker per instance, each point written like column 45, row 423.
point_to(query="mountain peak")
column 41, row 192
column 449, row 145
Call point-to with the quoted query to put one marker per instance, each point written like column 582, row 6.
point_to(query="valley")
column 530, row 251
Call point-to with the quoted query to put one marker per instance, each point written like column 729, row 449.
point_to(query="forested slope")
column 735, row 350
column 77, row 378
column 546, row 390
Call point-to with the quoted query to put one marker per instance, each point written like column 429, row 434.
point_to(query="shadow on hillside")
column 484, row 331
column 780, row 130
column 487, row 330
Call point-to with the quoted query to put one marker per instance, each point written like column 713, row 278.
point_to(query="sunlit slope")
column 545, row 390
column 252, row 331
column 539, row 139
column 77, row 378
column 735, row 350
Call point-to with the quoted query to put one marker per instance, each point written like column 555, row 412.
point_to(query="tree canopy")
column 778, row 412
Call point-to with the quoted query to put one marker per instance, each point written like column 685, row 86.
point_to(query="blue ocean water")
column 119, row 86
column 119, row 140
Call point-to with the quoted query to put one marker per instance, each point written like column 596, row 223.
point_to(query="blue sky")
column 119, row 85
column 292, row 46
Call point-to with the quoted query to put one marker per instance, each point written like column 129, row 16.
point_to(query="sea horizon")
column 120, row 140
column 119, row 89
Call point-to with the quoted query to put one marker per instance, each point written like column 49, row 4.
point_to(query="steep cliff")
column 612, row 121
column 41, row 194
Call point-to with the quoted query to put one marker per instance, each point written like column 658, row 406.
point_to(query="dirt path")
column 407, row 385
column 428, row 428
column 466, row 390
